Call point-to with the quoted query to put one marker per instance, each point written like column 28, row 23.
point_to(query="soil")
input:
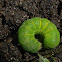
column 12, row 15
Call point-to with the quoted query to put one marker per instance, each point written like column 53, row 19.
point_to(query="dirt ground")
column 12, row 15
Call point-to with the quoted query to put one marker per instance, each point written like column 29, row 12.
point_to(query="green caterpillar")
column 38, row 29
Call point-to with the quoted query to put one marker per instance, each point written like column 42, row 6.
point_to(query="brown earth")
column 12, row 15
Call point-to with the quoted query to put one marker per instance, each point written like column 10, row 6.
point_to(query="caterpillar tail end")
column 37, row 49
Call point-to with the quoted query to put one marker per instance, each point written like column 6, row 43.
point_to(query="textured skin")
column 37, row 25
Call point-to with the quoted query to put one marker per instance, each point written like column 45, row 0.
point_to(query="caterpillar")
column 37, row 33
